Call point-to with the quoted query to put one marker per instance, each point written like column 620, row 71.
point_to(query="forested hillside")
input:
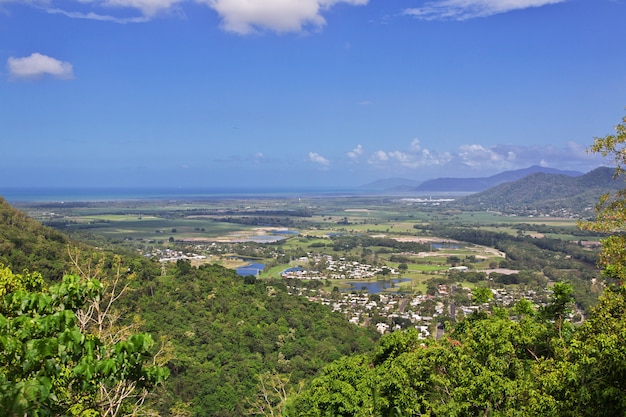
column 546, row 194
column 228, row 331
column 26, row 244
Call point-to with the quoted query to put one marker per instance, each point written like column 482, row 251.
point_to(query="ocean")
column 31, row 195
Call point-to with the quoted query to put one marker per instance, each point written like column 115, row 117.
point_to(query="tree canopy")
column 49, row 366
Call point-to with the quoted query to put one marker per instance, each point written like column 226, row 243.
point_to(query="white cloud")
column 148, row 8
column 37, row 65
column 378, row 157
column 401, row 157
column 100, row 17
column 318, row 159
column 414, row 157
column 249, row 16
column 356, row 152
column 468, row 9
column 477, row 155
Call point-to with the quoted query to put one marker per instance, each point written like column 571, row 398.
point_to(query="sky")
column 303, row 93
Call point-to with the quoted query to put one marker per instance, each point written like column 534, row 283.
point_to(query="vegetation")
column 25, row 244
column 227, row 331
column 50, row 365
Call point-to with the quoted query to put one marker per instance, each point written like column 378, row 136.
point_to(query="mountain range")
column 475, row 184
column 546, row 193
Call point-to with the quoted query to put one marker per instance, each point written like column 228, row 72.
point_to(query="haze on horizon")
column 206, row 93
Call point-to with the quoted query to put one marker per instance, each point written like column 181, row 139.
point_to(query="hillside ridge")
column 545, row 193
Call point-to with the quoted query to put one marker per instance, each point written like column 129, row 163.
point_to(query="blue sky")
column 303, row 92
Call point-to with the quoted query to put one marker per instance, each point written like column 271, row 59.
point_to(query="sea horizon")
column 103, row 194
column 96, row 194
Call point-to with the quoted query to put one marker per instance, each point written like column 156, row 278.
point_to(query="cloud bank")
column 477, row 159
column 281, row 16
column 469, row 9
column 237, row 16
column 38, row 65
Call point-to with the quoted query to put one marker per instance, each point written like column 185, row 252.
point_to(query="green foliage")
column 49, row 366
column 485, row 369
column 26, row 244
column 481, row 295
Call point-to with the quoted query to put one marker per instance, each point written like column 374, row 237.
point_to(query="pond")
column 263, row 239
column 443, row 245
column 375, row 287
column 293, row 269
column 252, row 269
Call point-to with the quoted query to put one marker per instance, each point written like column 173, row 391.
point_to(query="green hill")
column 546, row 194
column 26, row 244
column 227, row 331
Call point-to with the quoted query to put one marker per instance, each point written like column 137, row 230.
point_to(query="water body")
column 445, row 246
column 375, row 287
column 293, row 269
column 102, row 194
column 58, row 194
column 263, row 239
column 286, row 232
column 251, row 269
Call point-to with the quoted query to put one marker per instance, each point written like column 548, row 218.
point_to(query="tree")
column 272, row 396
column 611, row 209
column 49, row 366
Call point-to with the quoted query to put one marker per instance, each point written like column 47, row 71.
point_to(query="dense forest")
column 228, row 330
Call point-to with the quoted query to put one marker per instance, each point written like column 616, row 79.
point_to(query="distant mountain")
column 483, row 183
column 545, row 193
column 391, row 184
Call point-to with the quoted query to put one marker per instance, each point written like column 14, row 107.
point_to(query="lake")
column 251, row 269
column 375, row 287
